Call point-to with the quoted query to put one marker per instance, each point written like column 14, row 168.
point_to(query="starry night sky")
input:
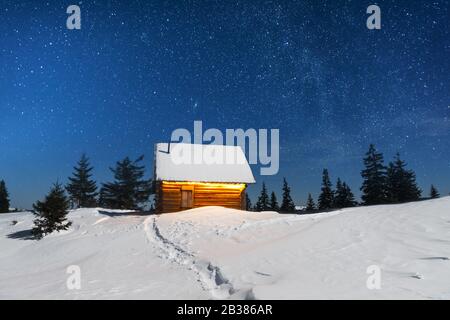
column 139, row 69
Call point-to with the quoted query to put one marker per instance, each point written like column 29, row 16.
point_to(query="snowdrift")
column 218, row 253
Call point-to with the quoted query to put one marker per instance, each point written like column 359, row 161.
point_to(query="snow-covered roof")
column 201, row 163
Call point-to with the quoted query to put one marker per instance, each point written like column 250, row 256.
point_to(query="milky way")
column 139, row 69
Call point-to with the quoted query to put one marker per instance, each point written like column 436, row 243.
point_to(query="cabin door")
column 187, row 199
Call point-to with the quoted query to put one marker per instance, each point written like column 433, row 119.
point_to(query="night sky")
column 137, row 70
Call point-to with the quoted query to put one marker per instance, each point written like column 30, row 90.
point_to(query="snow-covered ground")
column 223, row 253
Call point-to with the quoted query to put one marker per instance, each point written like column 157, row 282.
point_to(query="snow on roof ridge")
column 171, row 165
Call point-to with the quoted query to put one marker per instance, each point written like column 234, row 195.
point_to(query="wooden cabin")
column 194, row 175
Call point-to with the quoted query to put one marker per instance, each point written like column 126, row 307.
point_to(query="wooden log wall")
column 168, row 196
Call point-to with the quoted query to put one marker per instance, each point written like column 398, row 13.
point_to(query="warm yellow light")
column 235, row 186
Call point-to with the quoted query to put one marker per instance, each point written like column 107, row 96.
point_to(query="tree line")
column 129, row 190
column 266, row 202
column 382, row 184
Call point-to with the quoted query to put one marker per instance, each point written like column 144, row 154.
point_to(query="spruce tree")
column 310, row 205
column 402, row 186
column 51, row 213
column 263, row 200
column 129, row 190
column 273, row 202
column 344, row 197
column 326, row 197
column 349, row 198
column 248, row 203
column 374, row 178
column 434, row 193
column 287, row 204
column 4, row 198
column 339, row 196
column 81, row 188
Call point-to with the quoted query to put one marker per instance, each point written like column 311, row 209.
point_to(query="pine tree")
column 4, row 198
column 248, row 203
column 326, row 197
column 273, row 202
column 310, row 205
column 339, row 196
column 129, row 190
column 287, row 204
column 344, row 197
column 374, row 175
column 263, row 200
column 51, row 213
column 81, row 188
column 434, row 193
column 402, row 186
column 349, row 198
